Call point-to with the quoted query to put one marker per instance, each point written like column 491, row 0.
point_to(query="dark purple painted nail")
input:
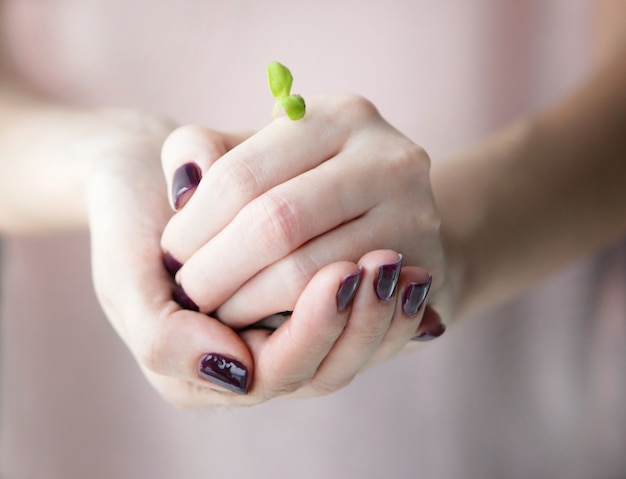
column 172, row 265
column 183, row 300
column 226, row 372
column 186, row 178
column 347, row 290
column 414, row 296
column 387, row 280
column 432, row 334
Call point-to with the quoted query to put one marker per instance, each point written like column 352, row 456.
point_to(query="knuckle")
column 372, row 332
column 277, row 385
column 153, row 350
column 238, row 177
column 356, row 106
column 410, row 162
column 282, row 388
column 326, row 386
column 277, row 222
column 299, row 270
column 347, row 110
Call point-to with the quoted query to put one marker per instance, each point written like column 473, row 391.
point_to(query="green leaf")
column 294, row 106
column 280, row 79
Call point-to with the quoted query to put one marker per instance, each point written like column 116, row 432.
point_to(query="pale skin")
column 100, row 168
column 272, row 190
column 113, row 155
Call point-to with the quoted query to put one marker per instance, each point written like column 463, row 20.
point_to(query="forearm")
column 537, row 195
column 48, row 150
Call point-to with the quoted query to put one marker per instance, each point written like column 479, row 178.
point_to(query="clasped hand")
column 330, row 217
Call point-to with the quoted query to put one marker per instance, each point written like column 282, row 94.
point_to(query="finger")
column 136, row 293
column 272, row 226
column 194, row 348
column 413, row 288
column 370, row 318
column 277, row 287
column 190, row 395
column 289, row 357
column 187, row 154
column 169, row 341
column 369, row 215
column 431, row 326
column 282, row 150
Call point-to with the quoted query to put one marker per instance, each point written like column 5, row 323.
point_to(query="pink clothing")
column 534, row 389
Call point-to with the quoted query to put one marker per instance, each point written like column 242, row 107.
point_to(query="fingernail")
column 183, row 300
column 185, row 180
column 387, row 280
column 414, row 296
column 347, row 290
column 431, row 334
column 172, row 265
column 225, row 372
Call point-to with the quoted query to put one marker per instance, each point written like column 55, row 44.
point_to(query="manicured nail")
column 347, row 290
column 414, row 296
column 225, row 372
column 387, row 279
column 172, row 265
column 185, row 180
column 183, row 300
column 431, row 334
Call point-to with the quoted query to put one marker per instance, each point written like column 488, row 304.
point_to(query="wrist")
column 482, row 215
column 56, row 151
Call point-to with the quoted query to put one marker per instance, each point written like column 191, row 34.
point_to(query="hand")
column 128, row 210
column 340, row 326
column 192, row 359
column 267, row 214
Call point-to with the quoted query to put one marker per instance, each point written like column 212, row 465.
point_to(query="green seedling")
column 280, row 80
